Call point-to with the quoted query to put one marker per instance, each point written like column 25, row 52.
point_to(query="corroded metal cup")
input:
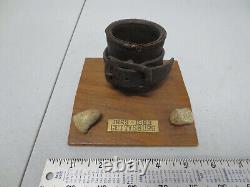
column 134, row 55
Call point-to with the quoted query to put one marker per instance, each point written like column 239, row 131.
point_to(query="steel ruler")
column 112, row 172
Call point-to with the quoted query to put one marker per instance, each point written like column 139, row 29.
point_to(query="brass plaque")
column 125, row 125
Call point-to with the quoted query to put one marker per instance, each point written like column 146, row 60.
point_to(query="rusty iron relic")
column 134, row 55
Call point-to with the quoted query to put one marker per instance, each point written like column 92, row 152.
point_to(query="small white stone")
column 181, row 116
column 85, row 119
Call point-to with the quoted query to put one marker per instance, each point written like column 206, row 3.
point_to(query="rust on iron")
column 134, row 55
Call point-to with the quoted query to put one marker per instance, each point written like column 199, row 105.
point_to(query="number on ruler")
column 185, row 164
column 213, row 164
column 158, row 165
column 100, row 164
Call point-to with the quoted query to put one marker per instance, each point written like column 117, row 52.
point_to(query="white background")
column 210, row 39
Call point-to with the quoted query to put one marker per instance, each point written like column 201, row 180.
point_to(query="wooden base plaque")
column 95, row 92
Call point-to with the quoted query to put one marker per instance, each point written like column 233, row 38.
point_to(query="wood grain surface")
column 95, row 92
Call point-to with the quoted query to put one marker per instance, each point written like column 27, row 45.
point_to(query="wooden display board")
column 95, row 92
